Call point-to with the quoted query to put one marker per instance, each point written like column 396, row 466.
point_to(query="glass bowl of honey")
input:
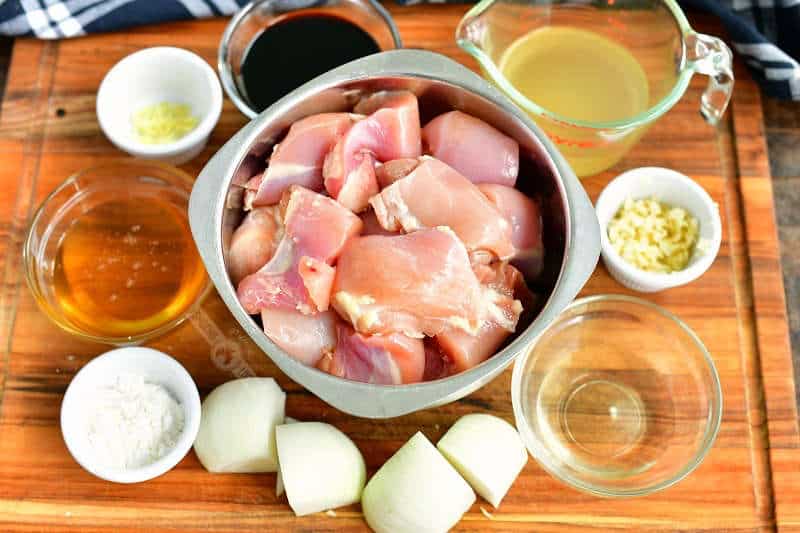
column 109, row 255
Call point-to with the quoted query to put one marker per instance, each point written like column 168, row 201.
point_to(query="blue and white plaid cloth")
column 765, row 33
column 57, row 19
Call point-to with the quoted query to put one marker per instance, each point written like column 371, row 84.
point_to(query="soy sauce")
column 296, row 50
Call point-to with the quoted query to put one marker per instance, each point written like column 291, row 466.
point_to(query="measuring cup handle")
column 711, row 56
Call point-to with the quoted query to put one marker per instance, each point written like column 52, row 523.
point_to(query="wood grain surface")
column 48, row 130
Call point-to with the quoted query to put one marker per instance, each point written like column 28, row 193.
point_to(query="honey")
column 126, row 264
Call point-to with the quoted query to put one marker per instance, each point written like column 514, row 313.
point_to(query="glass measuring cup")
column 654, row 32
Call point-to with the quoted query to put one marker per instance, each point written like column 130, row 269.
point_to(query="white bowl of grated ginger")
column 160, row 103
column 659, row 229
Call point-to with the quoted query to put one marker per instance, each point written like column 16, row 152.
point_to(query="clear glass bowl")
column 256, row 16
column 617, row 397
column 109, row 255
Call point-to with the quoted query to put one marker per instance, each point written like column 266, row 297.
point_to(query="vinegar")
column 127, row 264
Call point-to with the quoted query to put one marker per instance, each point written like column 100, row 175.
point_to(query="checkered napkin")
column 765, row 33
column 56, row 19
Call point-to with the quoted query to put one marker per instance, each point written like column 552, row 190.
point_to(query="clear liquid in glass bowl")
column 617, row 397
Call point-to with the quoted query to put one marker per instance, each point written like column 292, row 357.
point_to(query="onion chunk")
column 237, row 426
column 487, row 451
column 320, row 466
column 416, row 491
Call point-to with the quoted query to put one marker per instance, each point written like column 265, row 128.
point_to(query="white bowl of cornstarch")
column 130, row 415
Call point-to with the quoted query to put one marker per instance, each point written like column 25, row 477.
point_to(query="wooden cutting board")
column 749, row 482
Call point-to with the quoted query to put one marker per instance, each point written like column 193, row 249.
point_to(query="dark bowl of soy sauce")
column 271, row 47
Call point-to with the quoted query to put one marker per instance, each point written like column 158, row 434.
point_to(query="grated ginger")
column 653, row 236
column 163, row 122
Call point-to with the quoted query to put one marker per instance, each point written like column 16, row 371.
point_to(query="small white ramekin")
column 154, row 367
column 672, row 188
column 151, row 76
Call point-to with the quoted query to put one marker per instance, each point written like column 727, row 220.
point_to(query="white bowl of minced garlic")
column 660, row 229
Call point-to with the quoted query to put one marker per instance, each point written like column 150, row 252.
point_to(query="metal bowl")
column 571, row 231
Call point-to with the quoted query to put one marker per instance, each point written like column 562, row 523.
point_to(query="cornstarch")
column 132, row 423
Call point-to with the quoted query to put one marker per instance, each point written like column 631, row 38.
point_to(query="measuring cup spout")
column 470, row 31
column 712, row 57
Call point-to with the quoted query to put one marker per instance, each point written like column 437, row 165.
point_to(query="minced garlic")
column 163, row 123
column 653, row 236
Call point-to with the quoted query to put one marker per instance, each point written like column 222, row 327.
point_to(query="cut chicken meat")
column 317, row 278
column 254, row 242
column 251, row 190
column 299, row 158
column 316, row 230
column 383, row 359
column 473, row 147
column 438, row 365
column 393, row 170
column 526, row 225
column 392, row 131
column 372, row 226
column 374, row 262
column 417, row 284
column 304, row 337
column 467, row 350
column 435, row 194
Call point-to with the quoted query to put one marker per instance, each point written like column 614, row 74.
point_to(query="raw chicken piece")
column 304, row 337
column 437, row 364
column 393, row 170
column 299, row 275
column 317, row 278
column 251, row 190
column 474, row 148
column 254, row 242
column 467, row 351
column 392, row 131
column 298, row 159
column 417, row 284
column 384, row 359
column 526, row 225
column 372, row 226
column 434, row 194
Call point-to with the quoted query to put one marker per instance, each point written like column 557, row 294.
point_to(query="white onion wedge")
column 487, row 451
column 416, row 491
column 237, row 426
column 279, row 488
column 321, row 468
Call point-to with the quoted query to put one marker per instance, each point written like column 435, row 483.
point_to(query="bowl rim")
column 166, row 462
column 658, row 279
column 532, row 443
column 29, row 262
column 224, row 66
column 515, row 347
column 387, row 401
column 188, row 141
